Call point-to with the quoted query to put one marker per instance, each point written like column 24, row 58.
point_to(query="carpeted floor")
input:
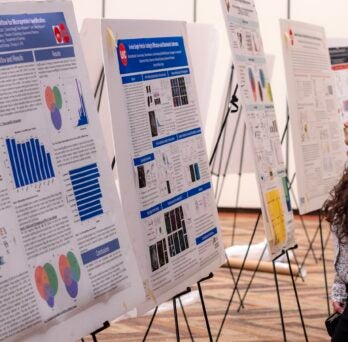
column 259, row 320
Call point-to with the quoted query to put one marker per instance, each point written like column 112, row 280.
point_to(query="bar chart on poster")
column 30, row 162
column 86, row 192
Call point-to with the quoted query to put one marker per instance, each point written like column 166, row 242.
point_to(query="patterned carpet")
column 259, row 320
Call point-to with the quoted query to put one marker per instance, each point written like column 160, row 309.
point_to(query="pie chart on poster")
column 46, row 283
column 56, row 118
column 70, row 272
column 54, row 103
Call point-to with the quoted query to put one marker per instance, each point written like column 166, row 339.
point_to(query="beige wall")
column 331, row 14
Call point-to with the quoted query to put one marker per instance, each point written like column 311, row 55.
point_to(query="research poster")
column 162, row 164
column 259, row 115
column 314, row 113
column 339, row 64
column 66, row 264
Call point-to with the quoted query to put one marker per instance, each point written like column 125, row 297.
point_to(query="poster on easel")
column 161, row 158
column 259, row 114
column 234, row 145
column 338, row 49
column 66, row 262
column 314, row 113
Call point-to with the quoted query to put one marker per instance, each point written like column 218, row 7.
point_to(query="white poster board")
column 66, row 264
column 161, row 157
column 203, row 43
column 314, row 113
column 259, row 114
column 338, row 49
column 235, row 153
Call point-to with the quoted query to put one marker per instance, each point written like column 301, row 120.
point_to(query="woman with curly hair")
column 336, row 213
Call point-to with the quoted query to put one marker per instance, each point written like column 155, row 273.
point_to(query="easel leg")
column 233, row 279
column 309, row 249
column 296, row 295
column 324, row 264
column 219, row 173
column 229, row 156
column 186, row 320
column 302, row 221
column 239, row 185
column 150, row 324
column 252, row 279
column 299, row 273
column 94, row 333
column 239, row 276
column 177, row 331
column 101, row 93
column 327, row 240
column 279, row 300
column 204, row 308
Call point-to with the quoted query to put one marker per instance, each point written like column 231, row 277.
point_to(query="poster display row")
column 74, row 251
column 66, row 262
column 161, row 162
column 71, row 257
column 314, row 113
column 256, row 97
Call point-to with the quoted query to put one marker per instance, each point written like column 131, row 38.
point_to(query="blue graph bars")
column 83, row 118
column 30, row 163
column 86, row 187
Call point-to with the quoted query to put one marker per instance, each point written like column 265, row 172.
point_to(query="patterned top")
column 338, row 293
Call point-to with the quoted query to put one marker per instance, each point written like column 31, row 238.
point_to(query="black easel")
column 239, row 276
column 94, row 334
column 284, row 252
column 98, row 94
column 275, row 277
column 324, row 262
column 176, row 319
column 231, row 107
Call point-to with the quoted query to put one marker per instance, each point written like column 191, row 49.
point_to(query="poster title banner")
column 148, row 54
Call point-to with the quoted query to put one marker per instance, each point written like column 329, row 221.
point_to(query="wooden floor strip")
column 259, row 320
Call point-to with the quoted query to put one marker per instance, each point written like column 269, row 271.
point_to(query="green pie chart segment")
column 52, row 276
column 58, row 97
column 75, row 268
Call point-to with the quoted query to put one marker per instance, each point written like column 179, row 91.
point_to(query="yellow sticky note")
column 276, row 213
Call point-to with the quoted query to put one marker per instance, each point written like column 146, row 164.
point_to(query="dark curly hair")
column 336, row 207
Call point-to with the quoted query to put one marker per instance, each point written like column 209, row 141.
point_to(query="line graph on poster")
column 28, row 160
column 8, row 244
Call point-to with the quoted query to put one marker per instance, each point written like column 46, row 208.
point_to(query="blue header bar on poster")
column 150, row 54
column 33, row 31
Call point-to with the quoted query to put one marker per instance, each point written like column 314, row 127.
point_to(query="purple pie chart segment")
column 56, row 118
